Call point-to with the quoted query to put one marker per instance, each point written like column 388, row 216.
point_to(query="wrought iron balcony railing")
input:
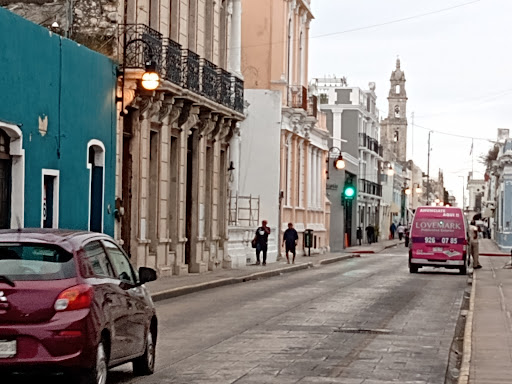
column 173, row 61
column 225, row 88
column 140, row 44
column 209, row 80
column 191, row 70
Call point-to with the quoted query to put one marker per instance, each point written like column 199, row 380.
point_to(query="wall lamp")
column 338, row 163
column 388, row 168
column 150, row 79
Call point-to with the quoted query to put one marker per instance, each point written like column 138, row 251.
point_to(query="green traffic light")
column 349, row 192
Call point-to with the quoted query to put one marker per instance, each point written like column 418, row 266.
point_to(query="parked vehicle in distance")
column 70, row 301
column 439, row 238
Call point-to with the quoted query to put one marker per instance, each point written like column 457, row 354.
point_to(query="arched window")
column 96, row 165
column 397, row 89
column 397, row 111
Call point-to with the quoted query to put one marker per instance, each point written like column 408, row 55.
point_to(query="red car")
column 70, row 301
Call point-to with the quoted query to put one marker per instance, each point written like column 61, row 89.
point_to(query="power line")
column 397, row 20
column 370, row 26
column 454, row 134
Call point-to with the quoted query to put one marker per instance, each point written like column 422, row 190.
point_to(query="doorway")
column 5, row 181
column 96, row 162
column 126, row 187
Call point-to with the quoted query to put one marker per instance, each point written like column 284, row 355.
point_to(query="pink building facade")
column 284, row 140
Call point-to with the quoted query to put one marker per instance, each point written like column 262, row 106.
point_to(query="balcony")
column 369, row 187
column 297, row 97
column 370, row 143
column 313, row 106
column 182, row 67
column 173, row 61
column 191, row 71
column 142, row 45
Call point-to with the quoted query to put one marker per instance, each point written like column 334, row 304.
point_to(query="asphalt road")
column 362, row 320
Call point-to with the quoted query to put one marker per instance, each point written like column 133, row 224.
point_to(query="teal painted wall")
column 43, row 75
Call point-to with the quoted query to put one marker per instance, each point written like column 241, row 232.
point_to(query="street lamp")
column 338, row 163
column 388, row 168
column 150, row 79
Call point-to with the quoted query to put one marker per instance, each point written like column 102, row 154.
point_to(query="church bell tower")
column 394, row 126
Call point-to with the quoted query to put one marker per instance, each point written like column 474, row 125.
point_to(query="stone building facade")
column 173, row 158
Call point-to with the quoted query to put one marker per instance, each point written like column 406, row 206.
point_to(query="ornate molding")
column 175, row 112
column 166, row 108
column 144, row 104
column 188, row 118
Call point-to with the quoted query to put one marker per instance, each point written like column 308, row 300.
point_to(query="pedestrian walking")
column 261, row 240
column 290, row 239
column 392, row 230
column 359, row 234
column 474, row 245
column 400, row 230
column 370, row 233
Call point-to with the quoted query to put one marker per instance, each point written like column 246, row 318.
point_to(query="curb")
column 380, row 249
column 495, row 254
column 337, row 258
column 468, row 332
column 180, row 291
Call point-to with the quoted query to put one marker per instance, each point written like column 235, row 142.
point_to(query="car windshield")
column 35, row 262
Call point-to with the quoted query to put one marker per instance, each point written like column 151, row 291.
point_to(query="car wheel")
column 145, row 364
column 98, row 374
column 463, row 270
column 413, row 269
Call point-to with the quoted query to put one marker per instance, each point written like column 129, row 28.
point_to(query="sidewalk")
column 173, row 286
column 375, row 247
column 487, row 355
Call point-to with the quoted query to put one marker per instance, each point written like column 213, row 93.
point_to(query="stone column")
column 234, row 155
column 235, row 40
column 142, row 177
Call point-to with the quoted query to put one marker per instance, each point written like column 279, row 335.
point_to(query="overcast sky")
column 457, row 63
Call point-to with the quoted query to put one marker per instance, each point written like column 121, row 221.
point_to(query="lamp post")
column 462, row 199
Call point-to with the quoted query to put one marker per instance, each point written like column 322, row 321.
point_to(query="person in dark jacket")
column 370, row 233
column 261, row 238
column 359, row 234
column 392, row 230
column 290, row 239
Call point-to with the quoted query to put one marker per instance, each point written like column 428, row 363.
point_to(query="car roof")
column 68, row 239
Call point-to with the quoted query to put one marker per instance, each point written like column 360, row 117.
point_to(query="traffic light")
column 349, row 191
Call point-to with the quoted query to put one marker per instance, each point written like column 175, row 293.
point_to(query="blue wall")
column 45, row 75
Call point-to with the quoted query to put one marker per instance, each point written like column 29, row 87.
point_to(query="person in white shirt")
column 400, row 230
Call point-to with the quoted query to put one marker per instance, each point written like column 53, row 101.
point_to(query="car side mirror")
column 146, row 275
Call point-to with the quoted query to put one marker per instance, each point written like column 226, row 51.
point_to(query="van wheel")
column 413, row 269
column 463, row 270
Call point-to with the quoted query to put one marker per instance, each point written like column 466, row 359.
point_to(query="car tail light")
column 77, row 297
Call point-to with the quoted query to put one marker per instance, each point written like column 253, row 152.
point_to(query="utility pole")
column 428, row 170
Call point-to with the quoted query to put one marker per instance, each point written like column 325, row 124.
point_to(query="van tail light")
column 77, row 297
